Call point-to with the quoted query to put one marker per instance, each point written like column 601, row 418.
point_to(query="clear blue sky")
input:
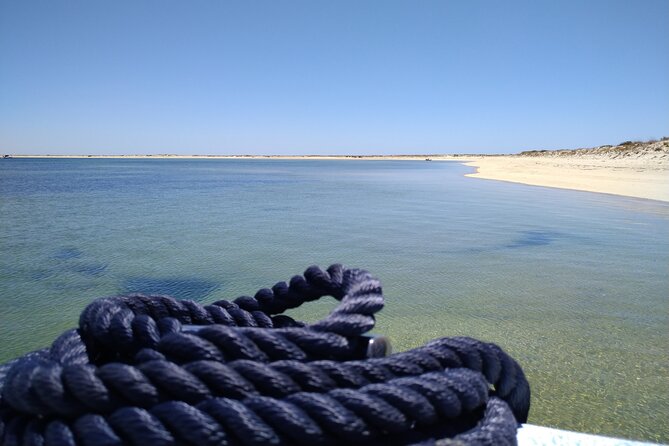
column 330, row 77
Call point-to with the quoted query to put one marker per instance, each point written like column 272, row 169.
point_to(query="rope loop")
column 144, row 369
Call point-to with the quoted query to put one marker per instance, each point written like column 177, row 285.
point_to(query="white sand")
column 642, row 177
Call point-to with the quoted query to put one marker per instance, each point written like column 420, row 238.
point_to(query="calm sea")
column 575, row 285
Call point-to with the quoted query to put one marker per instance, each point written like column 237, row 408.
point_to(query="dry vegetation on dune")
column 653, row 149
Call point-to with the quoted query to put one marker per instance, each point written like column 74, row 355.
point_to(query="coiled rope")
column 153, row 370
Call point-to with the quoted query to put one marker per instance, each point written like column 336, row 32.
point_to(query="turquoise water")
column 575, row 285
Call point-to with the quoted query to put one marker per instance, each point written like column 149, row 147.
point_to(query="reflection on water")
column 90, row 269
column 572, row 284
column 66, row 253
column 534, row 238
column 179, row 287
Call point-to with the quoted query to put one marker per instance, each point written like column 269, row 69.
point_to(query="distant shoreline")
column 632, row 169
column 286, row 157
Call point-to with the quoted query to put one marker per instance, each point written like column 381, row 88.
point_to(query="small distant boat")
column 6, row 157
column 428, row 159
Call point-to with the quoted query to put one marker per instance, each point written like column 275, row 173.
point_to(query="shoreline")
column 645, row 177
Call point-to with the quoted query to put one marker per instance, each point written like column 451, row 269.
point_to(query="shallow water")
column 574, row 285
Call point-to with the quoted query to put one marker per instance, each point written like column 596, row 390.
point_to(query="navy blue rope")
column 144, row 370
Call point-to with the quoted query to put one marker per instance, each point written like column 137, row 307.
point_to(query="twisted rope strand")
column 156, row 370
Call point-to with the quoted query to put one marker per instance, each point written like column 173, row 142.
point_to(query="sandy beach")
column 641, row 172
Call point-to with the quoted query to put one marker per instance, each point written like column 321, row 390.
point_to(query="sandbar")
column 645, row 176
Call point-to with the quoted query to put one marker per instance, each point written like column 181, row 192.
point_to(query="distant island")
column 628, row 148
column 285, row 157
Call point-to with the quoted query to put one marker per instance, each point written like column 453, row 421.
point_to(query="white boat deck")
column 530, row 435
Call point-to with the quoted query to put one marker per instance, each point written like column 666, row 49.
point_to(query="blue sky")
column 330, row 77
